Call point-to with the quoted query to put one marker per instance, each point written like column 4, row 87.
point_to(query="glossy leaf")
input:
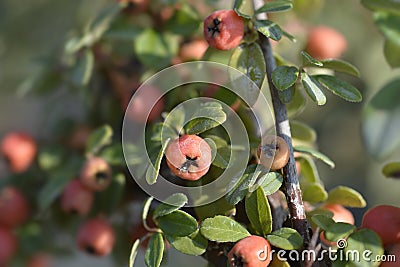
column 286, row 238
column 275, row 6
column 240, row 184
column 346, row 196
column 316, row 154
column 392, row 170
column 271, row 182
column 222, row 157
column 98, row 139
column 171, row 204
column 308, row 60
column 341, row 66
column 249, row 60
column 153, row 171
column 134, row 251
column 243, row 8
column 218, row 207
column 381, row 121
column 176, row 119
column 338, row 230
column 194, row 245
column 287, row 95
column 206, row 117
column 284, row 77
column 314, row 193
column 313, row 89
column 365, row 240
column 155, row 250
column 269, row 29
column 177, row 223
column 223, row 229
column 146, row 208
column 322, row 221
column 341, row 88
column 259, row 212
column 302, row 131
column 309, row 170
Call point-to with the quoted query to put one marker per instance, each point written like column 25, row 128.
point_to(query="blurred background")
column 33, row 32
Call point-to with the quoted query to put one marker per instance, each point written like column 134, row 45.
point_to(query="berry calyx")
column 96, row 174
column 252, row 251
column 273, row 152
column 189, row 157
column 224, row 29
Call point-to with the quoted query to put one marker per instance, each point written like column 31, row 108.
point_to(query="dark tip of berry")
column 236, row 261
column 73, row 211
column 189, row 158
column 91, row 250
column 101, row 176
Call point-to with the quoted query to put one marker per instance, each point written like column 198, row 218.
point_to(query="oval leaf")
column 275, row 6
column 194, row 244
column 287, row 95
column 316, row 154
column 177, row 223
column 259, row 212
column 322, row 221
column 392, row 170
column 98, row 139
column 302, row 131
column 309, row 170
column 314, row 193
column 313, row 89
column 284, row 77
column 134, row 251
column 346, row 196
column 341, row 88
column 155, row 250
column 171, row 204
column 223, row 229
column 153, row 171
column 286, row 238
column 341, row 66
column 83, row 69
column 209, row 115
column 298, row 102
column 269, row 29
column 146, row 208
column 338, row 230
column 271, row 182
column 308, row 60
column 241, row 184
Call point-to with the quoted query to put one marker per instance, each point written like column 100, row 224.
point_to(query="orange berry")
column 324, row 42
column 273, row 152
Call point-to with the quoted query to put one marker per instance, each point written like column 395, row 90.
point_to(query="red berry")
column 385, row 221
column 40, row 260
column 20, row 150
column 96, row 174
column 76, row 198
column 147, row 100
column 252, row 251
column 14, row 208
column 392, row 251
column 96, row 237
column 189, row 157
column 193, row 50
column 273, row 152
column 224, row 29
column 8, row 245
column 324, row 42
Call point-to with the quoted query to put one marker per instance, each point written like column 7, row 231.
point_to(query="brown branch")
column 291, row 183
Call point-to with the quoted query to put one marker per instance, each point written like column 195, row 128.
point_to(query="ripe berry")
column 273, row 152
column 39, row 260
column 14, row 208
column 193, row 50
column 147, row 100
column 96, row 174
column 324, row 42
column 252, row 251
column 8, row 245
column 340, row 213
column 224, row 29
column 189, row 157
column 19, row 149
column 392, row 250
column 96, row 237
column 76, row 198
column 385, row 221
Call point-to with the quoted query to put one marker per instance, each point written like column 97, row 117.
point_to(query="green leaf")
column 194, row 245
column 184, row 21
column 155, row 250
column 240, row 184
column 392, row 53
column 309, row 170
column 223, row 229
column 271, row 182
column 155, row 49
column 249, row 60
column 269, row 29
column 49, row 192
column 298, row 102
column 176, row 119
column 171, row 204
column 392, row 170
column 286, row 238
column 314, row 193
column 162, row 131
column 308, row 60
column 113, row 155
column 218, row 207
column 346, row 196
column 83, row 69
column 316, row 154
column 109, row 200
column 134, row 251
column 153, row 171
column 381, row 121
column 287, row 95
column 341, row 88
column 243, row 8
column 364, row 240
column 284, row 77
column 275, row 6
column 208, row 116
column 383, row 5
column 99, row 138
column 259, row 212
column 322, row 221
column 302, row 131
column 177, row 223
column 341, row 66
column 216, row 55
column 313, row 89
column 50, row 157
column 146, row 208
column 222, row 157
column 338, row 230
